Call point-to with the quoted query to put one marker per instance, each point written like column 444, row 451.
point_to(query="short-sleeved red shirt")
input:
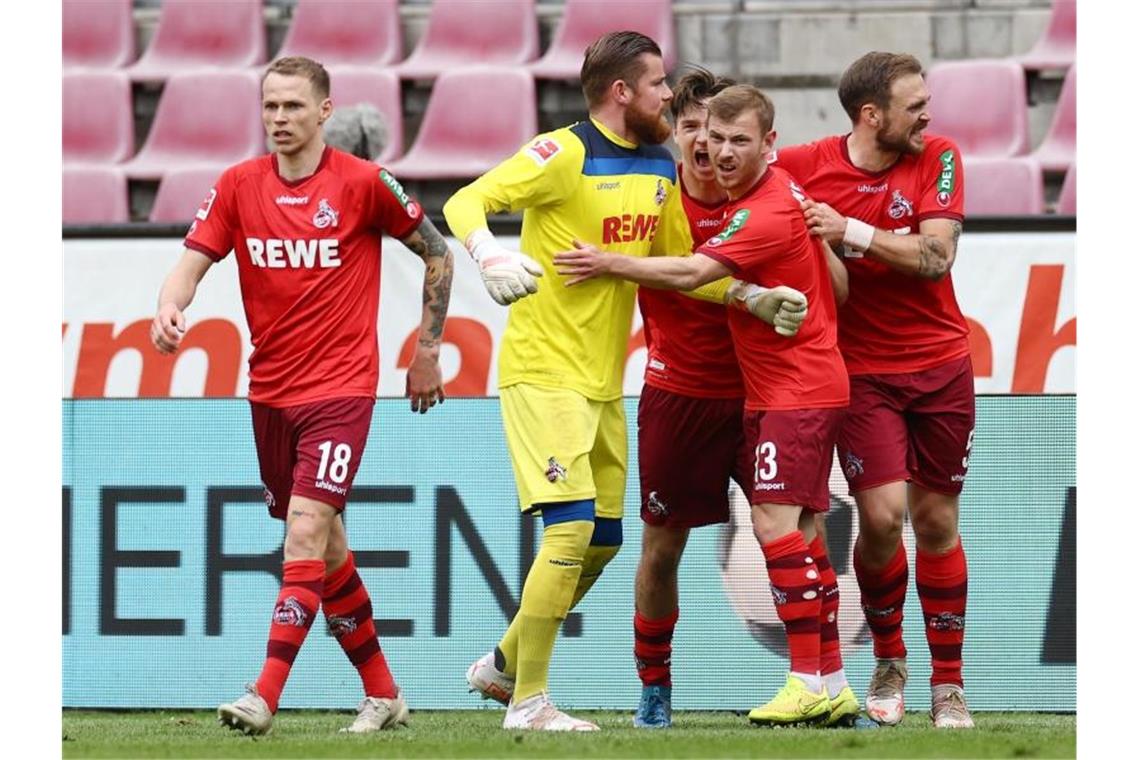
column 308, row 256
column 689, row 344
column 765, row 241
column 892, row 322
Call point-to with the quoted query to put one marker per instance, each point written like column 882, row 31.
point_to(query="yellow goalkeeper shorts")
column 565, row 447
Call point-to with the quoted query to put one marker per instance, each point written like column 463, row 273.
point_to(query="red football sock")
column 297, row 605
column 348, row 610
column 830, row 656
column 883, row 592
column 941, row 581
column 653, row 648
column 795, row 590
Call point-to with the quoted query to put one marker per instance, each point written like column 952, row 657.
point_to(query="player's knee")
column 882, row 522
column 661, row 549
column 773, row 521
column 935, row 526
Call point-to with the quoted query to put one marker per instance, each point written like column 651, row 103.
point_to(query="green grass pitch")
column 477, row 733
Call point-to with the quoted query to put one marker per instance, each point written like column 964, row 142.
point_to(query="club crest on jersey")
column 325, row 216
column 946, row 180
column 900, row 206
column 554, row 471
column 659, row 198
column 734, row 224
column 543, row 150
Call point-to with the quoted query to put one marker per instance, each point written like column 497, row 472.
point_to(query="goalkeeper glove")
column 508, row 275
column 782, row 307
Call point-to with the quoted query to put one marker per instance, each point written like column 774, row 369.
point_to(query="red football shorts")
column 688, row 448
column 791, row 455
column 915, row 426
column 312, row 450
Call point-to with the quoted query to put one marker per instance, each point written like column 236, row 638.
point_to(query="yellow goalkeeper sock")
column 597, row 557
column 546, row 598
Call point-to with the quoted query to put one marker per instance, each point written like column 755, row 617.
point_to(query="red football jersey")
column 688, row 340
column 308, row 257
column 765, row 241
column 892, row 322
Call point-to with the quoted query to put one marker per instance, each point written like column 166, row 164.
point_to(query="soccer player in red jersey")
column 892, row 196
column 795, row 383
column 305, row 223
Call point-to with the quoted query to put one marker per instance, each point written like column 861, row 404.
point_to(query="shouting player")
column 892, row 196
column 795, row 382
column 305, row 223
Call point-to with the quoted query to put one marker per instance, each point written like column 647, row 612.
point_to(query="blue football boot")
column 655, row 709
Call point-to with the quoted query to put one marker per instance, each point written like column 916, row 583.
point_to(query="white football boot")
column 948, row 707
column 249, row 713
column 538, row 713
column 489, row 681
column 885, row 694
column 379, row 713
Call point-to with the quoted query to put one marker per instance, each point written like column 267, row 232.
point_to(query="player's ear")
column 768, row 143
column 870, row 114
column 622, row 93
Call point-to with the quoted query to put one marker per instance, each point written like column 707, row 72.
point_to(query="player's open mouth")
column 701, row 158
column 281, row 135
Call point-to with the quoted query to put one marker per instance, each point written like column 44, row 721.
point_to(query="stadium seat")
column 192, row 34
column 451, row 143
column 378, row 87
column 1067, row 202
column 98, row 125
column 98, row 33
column 583, row 21
column 1004, row 187
column 209, row 117
column 182, row 191
column 360, row 32
column 1057, row 47
column 990, row 121
column 1059, row 148
column 94, row 195
column 461, row 33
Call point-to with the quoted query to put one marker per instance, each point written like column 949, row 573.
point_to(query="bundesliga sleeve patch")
column 734, row 224
column 543, row 150
column 204, row 209
column 947, row 178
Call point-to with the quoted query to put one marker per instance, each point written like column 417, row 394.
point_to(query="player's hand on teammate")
column 424, row 384
column 168, row 328
column 508, row 275
column 824, row 221
column 782, row 307
column 583, row 262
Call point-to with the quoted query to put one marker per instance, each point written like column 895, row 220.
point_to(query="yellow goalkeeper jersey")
column 580, row 182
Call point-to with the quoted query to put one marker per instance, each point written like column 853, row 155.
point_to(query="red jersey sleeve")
column 797, row 160
column 214, row 225
column 747, row 240
column 943, row 182
column 391, row 209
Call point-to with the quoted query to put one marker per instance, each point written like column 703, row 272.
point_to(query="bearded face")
column 902, row 122
column 651, row 127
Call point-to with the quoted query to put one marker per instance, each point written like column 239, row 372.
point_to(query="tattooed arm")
column 425, row 381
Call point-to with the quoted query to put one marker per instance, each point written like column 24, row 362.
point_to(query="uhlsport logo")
column 326, row 216
column 554, row 471
column 734, row 224
column 946, row 178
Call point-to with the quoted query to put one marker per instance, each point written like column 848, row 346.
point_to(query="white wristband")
column 858, row 235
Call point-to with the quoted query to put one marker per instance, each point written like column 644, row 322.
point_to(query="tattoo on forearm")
column 429, row 245
column 933, row 258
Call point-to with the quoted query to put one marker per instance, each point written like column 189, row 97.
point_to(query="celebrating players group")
column 797, row 303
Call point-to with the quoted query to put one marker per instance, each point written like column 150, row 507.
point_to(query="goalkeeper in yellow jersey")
column 607, row 180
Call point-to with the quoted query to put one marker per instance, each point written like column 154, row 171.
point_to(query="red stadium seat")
column 94, row 195
column 1004, row 187
column 1067, row 202
column 991, row 121
column 98, row 33
column 209, row 117
column 583, row 21
column 1059, row 148
column 192, row 34
column 461, row 33
column 182, row 191
column 1057, row 47
column 378, row 87
column 452, row 143
column 360, row 32
column 98, row 125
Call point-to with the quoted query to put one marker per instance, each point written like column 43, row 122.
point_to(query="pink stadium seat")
column 1067, row 202
column 583, row 21
column 452, row 144
column 378, row 87
column 94, row 195
column 98, row 125
column 991, row 121
column 182, row 191
column 462, row 33
column 98, row 33
column 1057, row 47
column 209, row 117
column 1059, row 148
column 193, row 34
column 1004, row 187
column 361, row 32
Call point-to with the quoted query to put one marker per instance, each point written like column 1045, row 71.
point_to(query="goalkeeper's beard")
column 651, row 129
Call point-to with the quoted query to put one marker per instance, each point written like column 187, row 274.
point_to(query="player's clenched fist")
column 508, row 275
column 782, row 307
column 168, row 328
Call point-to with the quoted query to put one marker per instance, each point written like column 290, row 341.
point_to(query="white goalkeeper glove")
column 508, row 275
column 782, row 307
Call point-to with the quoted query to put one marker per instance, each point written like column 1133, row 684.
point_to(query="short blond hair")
column 732, row 101
column 300, row 66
